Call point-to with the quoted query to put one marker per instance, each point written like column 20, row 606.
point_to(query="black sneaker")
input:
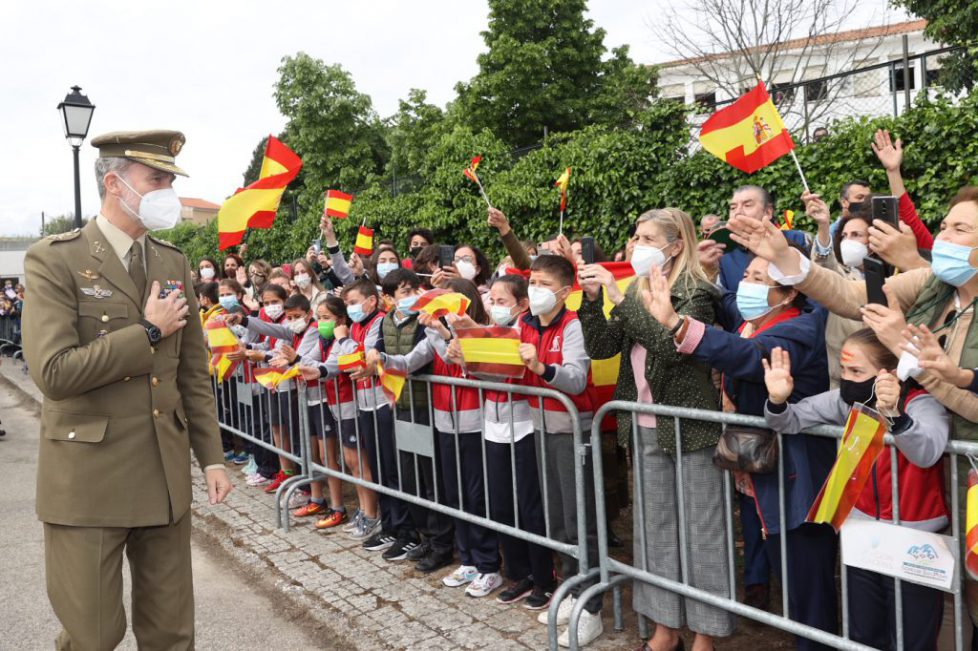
column 435, row 561
column 419, row 552
column 538, row 599
column 399, row 550
column 516, row 591
column 379, row 542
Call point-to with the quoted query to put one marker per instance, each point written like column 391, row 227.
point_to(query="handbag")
column 747, row 449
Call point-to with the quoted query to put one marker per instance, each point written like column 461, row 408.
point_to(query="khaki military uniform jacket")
column 119, row 416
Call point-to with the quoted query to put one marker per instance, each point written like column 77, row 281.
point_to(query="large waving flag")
column 971, row 525
column 491, row 353
column 749, row 134
column 255, row 206
column 221, row 341
column 862, row 442
column 441, row 302
column 270, row 378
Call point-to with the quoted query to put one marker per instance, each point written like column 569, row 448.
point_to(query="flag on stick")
column 221, row 341
column 862, row 442
column 391, row 382
column 255, row 205
column 270, row 378
column 749, row 134
column 364, row 245
column 469, row 173
column 788, row 222
column 441, row 302
column 337, row 204
column 351, row 361
column 491, row 353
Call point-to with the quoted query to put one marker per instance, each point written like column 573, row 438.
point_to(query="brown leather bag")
column 748, row 449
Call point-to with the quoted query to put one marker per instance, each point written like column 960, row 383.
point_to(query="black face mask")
column 853, row 392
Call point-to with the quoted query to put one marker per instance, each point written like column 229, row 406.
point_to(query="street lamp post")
column 77, row 113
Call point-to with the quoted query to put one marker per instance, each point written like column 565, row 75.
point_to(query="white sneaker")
column 258, row 480
column 298, row 499
column 250, row 468
column 462, row 575
column 589, row 628
column 563, row 612
column 484, row 584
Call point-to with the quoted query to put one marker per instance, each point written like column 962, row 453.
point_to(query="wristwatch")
column 155, row 334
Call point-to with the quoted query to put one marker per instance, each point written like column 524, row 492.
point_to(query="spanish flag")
column 392, row 383
column 351, row 361
column 337, row 204
column 255, row 205
column 862, row 442
column 469, row 172
column 365, row 241
column 971, row 525
column 221, row 341
column 270, row 378
column 788, row 223
column 748, row 134
column 562, row 184
column 491, row 353
column 441, row 302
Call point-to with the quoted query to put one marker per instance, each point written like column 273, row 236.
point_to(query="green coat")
column 119, row 417
column 675, row 380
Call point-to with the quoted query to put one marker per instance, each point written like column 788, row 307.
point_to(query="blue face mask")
column 752, row 300
column 406, row 305
column 229, row 302
column 950, row 263
column 356, row 313
column 384, row 268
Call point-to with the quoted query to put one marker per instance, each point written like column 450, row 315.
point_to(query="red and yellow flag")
column 749, row 134
column 337, row 204
column 270, row 378
column 391, row 382
column 255, row 205
column 351, row 361
column 491, row 353
column 788, row 223
column 441, row 302
column 469, row 172
column 562, row 184
column 221, row 341
column 364, row 245
column 862, row 442
column 971, row 525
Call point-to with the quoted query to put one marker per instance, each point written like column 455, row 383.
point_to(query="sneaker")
column 332, row 519
column 251, row 468
column 354, row 521
column 379, row 542
column 276, row 482
column 399, row 550
column 463, row 575
column 310, row 508
column 563, row 612
column 538, row 599
column 298, row 499
column 367, row 529
column 241, row 459
column 258, row 479
column 589, row 628
column 483, row 585
column 434, row 560
column 419, row 552
column 229, row 455
column 517, row 591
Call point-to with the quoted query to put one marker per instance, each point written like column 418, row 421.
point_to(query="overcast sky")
column 207, row 68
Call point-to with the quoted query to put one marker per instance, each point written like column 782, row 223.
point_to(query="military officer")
column 126, row 392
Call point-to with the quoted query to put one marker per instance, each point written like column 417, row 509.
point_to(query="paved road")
column 231, row 614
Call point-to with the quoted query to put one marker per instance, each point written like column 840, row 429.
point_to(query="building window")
column 816, row 91
column 896, row 78
column 705, row 101
column 782, row 94
column 933, row 77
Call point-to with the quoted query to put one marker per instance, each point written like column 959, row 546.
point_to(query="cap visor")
column 160, row 165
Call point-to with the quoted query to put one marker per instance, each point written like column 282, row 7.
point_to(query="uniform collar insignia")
column 88, row 274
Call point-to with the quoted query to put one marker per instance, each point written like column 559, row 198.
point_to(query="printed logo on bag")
column 555, row 345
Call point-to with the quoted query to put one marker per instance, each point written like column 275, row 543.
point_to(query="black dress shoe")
column 434, row 561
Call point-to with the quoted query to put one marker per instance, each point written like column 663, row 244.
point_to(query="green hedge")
column 618, row 174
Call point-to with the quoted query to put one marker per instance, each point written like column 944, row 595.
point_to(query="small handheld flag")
column 469, row 173
column 391, row 383
column 562, row 184
column 788, row 223
column 365, row 242
column 351, row 361
column 491, row 353
column 270, row 378
column 337, row 204
column 971, row 524
column 441, row 302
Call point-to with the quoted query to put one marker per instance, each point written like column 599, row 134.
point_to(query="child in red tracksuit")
column 553, row 351
column 920, row 431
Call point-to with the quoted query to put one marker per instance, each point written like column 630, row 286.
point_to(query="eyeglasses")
column 464, row 258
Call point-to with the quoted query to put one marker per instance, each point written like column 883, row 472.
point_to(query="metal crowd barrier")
column 613, row 571
column 10, row 335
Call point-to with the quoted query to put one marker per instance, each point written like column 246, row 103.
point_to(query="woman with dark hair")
column 384, row 260
column 232, row 262
column 306, row 280
column 208, row 271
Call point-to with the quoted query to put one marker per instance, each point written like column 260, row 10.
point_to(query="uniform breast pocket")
column 97, row 319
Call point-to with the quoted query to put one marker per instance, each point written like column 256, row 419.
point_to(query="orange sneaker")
column 332, row 519
column 312, row 508
column 276, row 482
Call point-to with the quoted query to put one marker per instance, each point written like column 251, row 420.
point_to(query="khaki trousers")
column 84, row 583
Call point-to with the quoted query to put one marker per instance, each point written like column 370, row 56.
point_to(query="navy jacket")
column 734, row 262
column 807, row 459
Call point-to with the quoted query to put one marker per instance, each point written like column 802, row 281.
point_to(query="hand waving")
column 777, row 376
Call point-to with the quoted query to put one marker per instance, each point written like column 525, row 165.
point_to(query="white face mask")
column 646, row 257
column 158, row 209
column 542, row 300
column 302, row 280
column 274, row 311
column 298, row 326
column 206, row 273
column 853, row 252
column 501, row 315
column 465, row 269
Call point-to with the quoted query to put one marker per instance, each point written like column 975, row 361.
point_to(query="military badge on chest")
column 96, row 291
